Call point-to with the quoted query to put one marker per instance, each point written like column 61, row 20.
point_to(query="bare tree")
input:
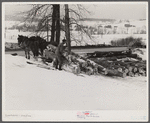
column 77, row 13
column 49, row 18
column 57, row 24
column 55, row 31
column 53, row 23
column 67, row 28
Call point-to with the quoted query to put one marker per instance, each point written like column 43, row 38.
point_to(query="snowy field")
column 12, row 35
column 28, row 87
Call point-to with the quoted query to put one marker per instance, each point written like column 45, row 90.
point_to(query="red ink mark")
column 86, row 113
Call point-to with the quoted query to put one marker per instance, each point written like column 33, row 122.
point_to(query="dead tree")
column 67, row 29
column 57, row 24
column 55, row 31
column 53, row 23
column 48, row 18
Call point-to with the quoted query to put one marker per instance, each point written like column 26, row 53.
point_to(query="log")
column 101, row 68
column 122, row 71
column 110, row 68
column 132, row 55
column 127, row 59
column 103, row 63
column 116, row 73
column 89, row 67
column 136, row 74
column 72, row 68
column 93, row 64
column 108, row 58
column 51, row 48
column 141, row 66
column 135, row 69
column 89, row 71
column 94, row 67
column 111, row 65
column 130, row 68
column 131, row 74
column 95, row 70
column 137, row 65
column 141, row 70
column 48, row 54
column 144, row 74
column 126, row 70
column 120, row 68
column 106, row 54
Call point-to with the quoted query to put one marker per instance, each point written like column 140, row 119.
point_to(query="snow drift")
column 28, row 87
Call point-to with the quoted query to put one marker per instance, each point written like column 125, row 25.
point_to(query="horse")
column 23, row 42
column 41, row 43
column 28, row 44
column 34, row 44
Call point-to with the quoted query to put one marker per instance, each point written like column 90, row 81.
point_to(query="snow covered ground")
column 28, row 87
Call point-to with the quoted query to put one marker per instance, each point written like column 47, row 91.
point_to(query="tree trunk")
column 57, row 24
column 47, row 31
column 67, row 28
column 53, row 23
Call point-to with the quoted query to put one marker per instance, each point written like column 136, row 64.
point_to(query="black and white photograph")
column 75, row 61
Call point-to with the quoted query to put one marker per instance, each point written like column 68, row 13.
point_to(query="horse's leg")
column 37, row 54
column 33, row 54
column 28, row 54
column 41, row 52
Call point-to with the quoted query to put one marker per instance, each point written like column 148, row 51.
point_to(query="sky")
column 107, row 10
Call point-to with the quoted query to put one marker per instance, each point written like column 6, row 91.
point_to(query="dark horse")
column 41, row 43
column 28, row 44
column 34, row 44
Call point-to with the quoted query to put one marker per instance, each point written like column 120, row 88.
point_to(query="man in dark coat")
column 59, row 54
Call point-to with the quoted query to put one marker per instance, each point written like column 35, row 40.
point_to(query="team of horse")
column 35, row 44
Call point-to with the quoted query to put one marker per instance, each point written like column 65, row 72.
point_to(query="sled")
column 40, row 64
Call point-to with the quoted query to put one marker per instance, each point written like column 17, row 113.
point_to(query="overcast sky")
column 136, row 10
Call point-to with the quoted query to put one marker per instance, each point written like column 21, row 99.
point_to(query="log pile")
column 112, row 66
column 116, row 55
column 129, row 68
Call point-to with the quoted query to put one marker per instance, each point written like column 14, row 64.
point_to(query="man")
column 59, row 54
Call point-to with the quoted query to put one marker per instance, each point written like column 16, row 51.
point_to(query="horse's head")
column 21, row 39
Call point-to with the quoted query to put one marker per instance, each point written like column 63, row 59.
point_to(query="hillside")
column 18, row 17
column 97, row 19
